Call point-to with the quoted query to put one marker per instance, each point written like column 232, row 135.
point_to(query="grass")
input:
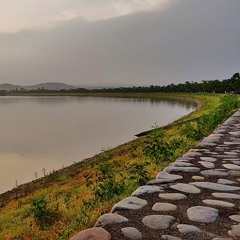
column 86, row 190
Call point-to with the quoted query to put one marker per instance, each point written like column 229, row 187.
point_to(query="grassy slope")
column 78, row 209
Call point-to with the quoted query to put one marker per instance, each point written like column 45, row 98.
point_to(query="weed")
column 208, row 122
column 159, row 149
column 67, row 200
column 44, row 213
column 105, row 180
column 139, row 173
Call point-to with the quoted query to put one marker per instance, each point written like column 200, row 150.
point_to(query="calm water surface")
column 52, row 132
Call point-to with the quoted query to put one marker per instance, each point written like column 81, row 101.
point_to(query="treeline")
column 231, row 85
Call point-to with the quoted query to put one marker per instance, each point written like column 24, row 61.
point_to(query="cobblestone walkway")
column 196, row 197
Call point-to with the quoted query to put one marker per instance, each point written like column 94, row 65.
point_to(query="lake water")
column 52, row 132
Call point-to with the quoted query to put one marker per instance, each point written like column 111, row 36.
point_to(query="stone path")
column 196, row 197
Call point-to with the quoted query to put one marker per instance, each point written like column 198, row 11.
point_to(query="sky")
column 118, row 42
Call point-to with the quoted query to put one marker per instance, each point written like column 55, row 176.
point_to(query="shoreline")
column 176, row 122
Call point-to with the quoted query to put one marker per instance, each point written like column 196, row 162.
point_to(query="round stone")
column 187, row 188
column 226, row 156
column 182, row 164
column 168, row 237
column 159, row 181
column 234, row 173
column 208, row 159
column 164, row 207
column 185, row 158
column 207, row 164
column 235, row 231
column 232, row 143
column 232, row 166
column 95, row 233
column 198, row 178
column 236, row 162
column 202, row 214
column 231, row 153
column 182, row 160
column 200, row 150
column 147, row 189
column 188, row 229
column 129, row 203
column 110, row 218
column 218, row 203
column 236, row 133
column 192, row 154
column 131, row 233
column 226, row 195
column 225, row 181
column 159, row 221
column 182, row 169
column 230, row 159
column 214, row 173
column 235, row 218
column 207, row 143
column 215, row 186
column 165, row 175
column 172, row 196
column 222, row 238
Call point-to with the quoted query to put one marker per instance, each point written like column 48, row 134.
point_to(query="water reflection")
column 49, row 132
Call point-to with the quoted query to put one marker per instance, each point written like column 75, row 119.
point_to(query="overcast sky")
column 118, row 42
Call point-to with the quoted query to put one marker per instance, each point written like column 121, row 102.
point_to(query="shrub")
column 159, row 149
column 44, row 213
column 208, row 122
column 139, row 173
column 105, row 181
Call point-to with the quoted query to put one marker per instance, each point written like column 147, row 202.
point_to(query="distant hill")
column 51, row 86
column 48, row 86
column 6, row 86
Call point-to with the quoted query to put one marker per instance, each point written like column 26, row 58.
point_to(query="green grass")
column 81, row 199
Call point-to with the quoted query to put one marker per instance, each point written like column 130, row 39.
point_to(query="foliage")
column 104, row 180
column 159, row 149
column 139, row 173
column 208, row 122
column 44, row 213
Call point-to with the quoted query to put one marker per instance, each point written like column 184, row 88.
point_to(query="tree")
column 236, row 76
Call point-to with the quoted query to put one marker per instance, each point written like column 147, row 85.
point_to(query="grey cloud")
column 189, row 41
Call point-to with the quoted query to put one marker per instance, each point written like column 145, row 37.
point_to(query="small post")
column 44, row 172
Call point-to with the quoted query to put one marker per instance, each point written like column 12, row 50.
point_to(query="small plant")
column 189, row 131
column 44, row 213
column 105, row 181
column 157, row 148
column 139, row 173
column 67, row 200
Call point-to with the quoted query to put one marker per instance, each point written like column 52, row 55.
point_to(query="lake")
column 51, row 132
